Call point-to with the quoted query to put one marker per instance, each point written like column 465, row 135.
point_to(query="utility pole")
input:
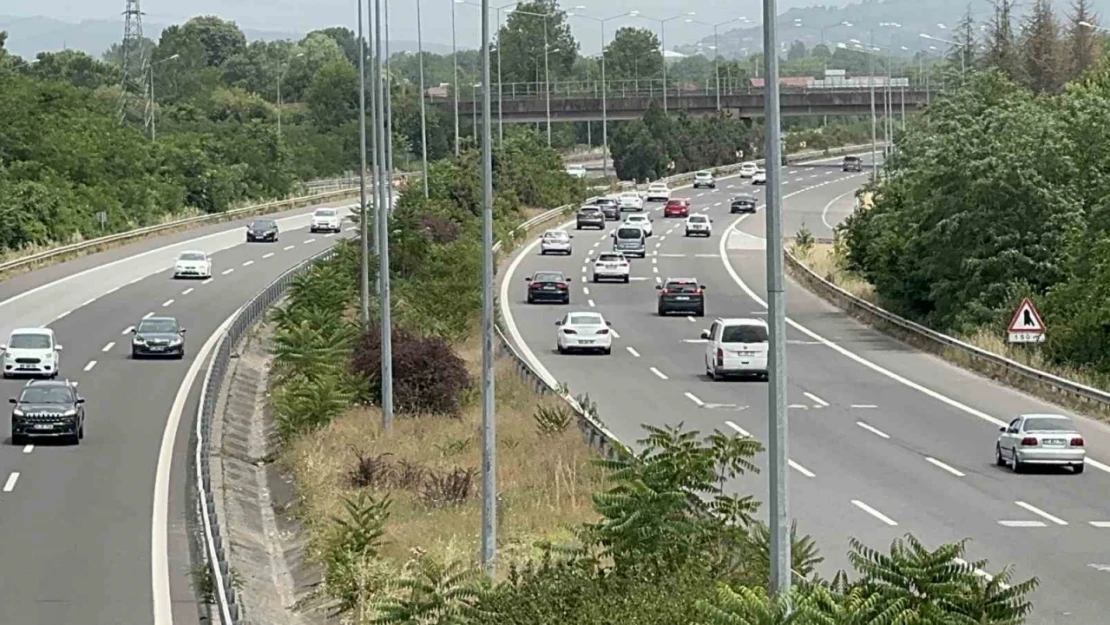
column 133, row 61
column 375, row 126
column 489, row 435
column 776, row 312
column 423, row 115
column 455, row 70
column 388, row 86
column 364, row 211
column 383, row 232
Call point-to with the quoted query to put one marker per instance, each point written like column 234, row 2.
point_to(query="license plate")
column 586, row 342
column 27, row 367
column 157, row 348
column 682, row 298
column 1054, row 442
column 549, row 288
column 44, row 426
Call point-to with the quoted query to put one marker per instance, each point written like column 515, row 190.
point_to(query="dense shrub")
column 428, row 377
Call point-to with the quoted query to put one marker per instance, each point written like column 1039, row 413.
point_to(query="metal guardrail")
column 266, row 207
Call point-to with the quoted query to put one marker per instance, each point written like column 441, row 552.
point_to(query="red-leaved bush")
column 428, row 376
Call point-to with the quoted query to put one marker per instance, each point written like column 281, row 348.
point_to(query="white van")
column 31, row 352
column 736, row 347
column 630, row 240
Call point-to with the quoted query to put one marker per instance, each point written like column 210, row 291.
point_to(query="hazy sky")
column 306, row 15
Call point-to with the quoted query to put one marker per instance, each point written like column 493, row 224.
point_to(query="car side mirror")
column 3, row 347
column 701, row 286
column 705, row 334
column 527, row 279
column 609, row 323
column 134, row 330
column 80, row 400
column 1002, row 429
column 58, row 347
column 558, row 323
column 568, row 279
column 181, row 331
column 659, row 287
column 12, row 400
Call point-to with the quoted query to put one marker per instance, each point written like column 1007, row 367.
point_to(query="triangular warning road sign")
column 1027, row 319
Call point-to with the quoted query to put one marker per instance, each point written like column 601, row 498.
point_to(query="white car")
column 325, row 220
column 555, row 242
column 630, row 201
column 747, row 170
column 760, row 176
column 658, row 192
column 643, row 222
column 1040, row 439
column 193, row 265
column 31, row 351
column 699, row 225
column 612, row 266
column 704, row 179
column 736, row 347
column 583, row 331
column 576, row 171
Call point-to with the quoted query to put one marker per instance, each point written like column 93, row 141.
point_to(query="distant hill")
column 27, row 36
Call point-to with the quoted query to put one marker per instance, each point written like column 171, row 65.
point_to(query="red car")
column 678, row 207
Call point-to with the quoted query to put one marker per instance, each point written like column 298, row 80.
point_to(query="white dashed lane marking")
column 288, row 247
column 9, row 486
column 800, row 469
column 817, row 400
column 167, row 303
column 248, row 263
column 127, row 330
column 591, row 303
column 187, row 291
column 88, row 367
column 148, row 315
column 938, row 463
column 659, row 374
column 873, row 512
column 872, row 429
column 1023, row 523
column 267, row 255
column 635, row 354
column 307, row 241
column 227, row 271
column 207, row 281
column 694, row 398
column 109, row 346
column 739, row 430
column 28, row 449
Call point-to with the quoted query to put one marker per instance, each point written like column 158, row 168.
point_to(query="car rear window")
column 555, row 235
column 698, row 219
column 589, row 209
column 610, row 258
column 682, row 287
column 1041, row 424
column 703, row 174
column 547, row 276
column 851, row 159
column 585, row 319
column 744, row 334
column 630, row 233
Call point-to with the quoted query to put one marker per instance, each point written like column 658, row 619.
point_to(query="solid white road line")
column 694, row 398
column 635, row 354
column 288, row 247
column 87, row 302
column 938, row 463
column 591, row 303
column 739, row 430
column 873, row 512
column 817, row 400
column 227, row 271
column 9, row 486
column 864, row 406
column 88, row 367
column 873, row 430
column 1042, row 513
column 63, row 315
column 798, row 406
column 825, row 211
column 800, row 469
column 187, row 291
column 28, row 449
column 267, row 255
column 167, row 303
column 159, row 525
column 109, row 346
column 658, row 373
column 112, row 290
column 1022, row 524
column 248, row 263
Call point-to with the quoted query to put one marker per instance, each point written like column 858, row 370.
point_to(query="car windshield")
column 585, row 319
column 556, row 235
column 1046, row 424
column 547, row 276
column 744, row 334
column 851, row 159
column 698, row 219
column 46, row 395
column 702, row 174
column 609, row 258
column 743, row 200
column 325, row 213
column 682, row 287
column 192, row 256
column 158, row 326
column 629, row 233
column 29, row 341
column 263, row 223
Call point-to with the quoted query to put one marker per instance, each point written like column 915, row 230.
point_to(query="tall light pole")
column 364, row 210
column 500, row 125
column 489, row 433
column 455, row 71
column 151, row 81
column 546, row 74
column 717, row 51
column 388, row 87
column 871, row 83
column 781, row 570
column 604, row 87
column 889, row 87
column 663, row 45
column 383, row 232
column 281, row 76
column 423, row 115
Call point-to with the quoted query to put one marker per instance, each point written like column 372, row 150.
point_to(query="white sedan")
column 555, row 242
column 699, row 225
column 611, row 266
column 760, row 176
column 193, row 265
column 747, row 170
column 658, row 192
column 583, row 331
column 643, row 222
column 630, row 201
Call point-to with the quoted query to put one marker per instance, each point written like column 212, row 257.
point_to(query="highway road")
column 95, row 533
column 884, row 440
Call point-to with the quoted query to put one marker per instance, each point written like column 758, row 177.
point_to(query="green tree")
column 521, row 42
column 77, row 68
column 345, row 39
column 1041, row 47
column 1003, row 52
column 1081, row 41
column 220, row 39
column 332, row 97
column 634, row 53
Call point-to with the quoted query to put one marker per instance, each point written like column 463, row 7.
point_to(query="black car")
column 683, row 295
column 590, row 217
column 852, row 163
column 262, row 230
column 609, row 208
column 548, row 286
column 158, row 336
column 743, row 204
column 48, row 409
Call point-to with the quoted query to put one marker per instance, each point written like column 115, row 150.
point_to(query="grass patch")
column 545, row 481
column 826, row 260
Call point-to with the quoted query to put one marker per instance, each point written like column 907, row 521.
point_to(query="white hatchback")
column 612, row 266
column 555, row 242
column 658, row 192
column 630, row 201
column 583, row 331
column 643, row 222
column 193, row 265
column 760, row 176
column 736, row 347
column 31, row 351
column 699, row 225
column 747, row 170
column 325, row 220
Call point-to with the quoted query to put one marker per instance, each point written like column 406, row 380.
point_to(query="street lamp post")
column 717, row 51
column 871, row 83
column 455, row 71
column 663, row 46
column 151, row 67
column 281, row 76
column 963, row 51
column 546, row 75
column 423, row 115
column 364, row 212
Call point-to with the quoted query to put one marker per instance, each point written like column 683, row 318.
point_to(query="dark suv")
column 48, row 408
column 852, row 163
column 590, row 217
column 609, row 208
column 742, row 204
column 262, row 230
column 683, row 295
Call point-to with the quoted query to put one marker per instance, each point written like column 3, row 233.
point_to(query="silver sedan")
column 1044, row 439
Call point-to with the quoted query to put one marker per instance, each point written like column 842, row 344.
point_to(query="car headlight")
column 176, row 341
column 138, row 340
column 8, row 356
column 72, row 412
column 17, row 413
column 48, row 357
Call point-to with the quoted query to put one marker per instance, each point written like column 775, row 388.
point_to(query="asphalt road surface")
column 884, row 440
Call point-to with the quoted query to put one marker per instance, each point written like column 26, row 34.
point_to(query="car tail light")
column 720, row 357
column 603, row 331
column 697, row 291
column 665, row 292
column 562, row 285
column 569, row 331
column 537, row 285
column 624, row 263
column 1029, row 441
column 1077, row 442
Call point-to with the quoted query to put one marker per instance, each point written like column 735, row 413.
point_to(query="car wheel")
column 530, row 300
column 81, row 431
column 559, row 348
column 593, row 278
column 998, row 459
column 716, row 377
column 626, row 278
column 701, row 312
column 686, row 233
column 543, row 252
column 181, row 356
column 18, row 440
column 134, row 355
column 74, row 439
column 609, row 350
column 1015, row 464
column 577, row 226
column 1077, row 469
column 566, row 302
column 661, row 312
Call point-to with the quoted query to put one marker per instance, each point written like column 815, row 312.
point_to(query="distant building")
column 834, row 79
column 442, row 91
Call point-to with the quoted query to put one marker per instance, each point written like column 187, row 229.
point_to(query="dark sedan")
column 852, row 163
column 158, row 336
column 609, row 208
column 590, row 217
column 48, row 409
column 683, row 295
column 262, row 230
column 548, row 286
column 743, row 204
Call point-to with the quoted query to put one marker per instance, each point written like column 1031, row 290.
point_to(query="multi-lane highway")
column 884, row 440
column 95, row 533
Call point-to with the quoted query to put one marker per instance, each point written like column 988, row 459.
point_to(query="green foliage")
column 521, row 41
column 353, row 575
column 633, row 53
column 803, row 241
column 432, row 593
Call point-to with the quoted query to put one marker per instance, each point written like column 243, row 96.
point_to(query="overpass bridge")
column 745, row 104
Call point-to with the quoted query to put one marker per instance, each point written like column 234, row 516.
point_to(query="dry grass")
column 1028, row 355
column 545, row 482
column 823, row 260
